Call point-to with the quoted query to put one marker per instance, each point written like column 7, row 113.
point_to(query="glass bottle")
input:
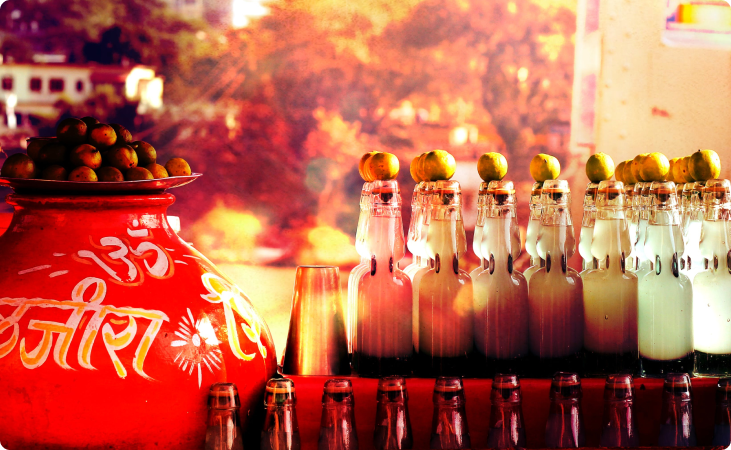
column 711, row 287
column 507, row 428
column 445, row 291
column 610, row 293
column 531, row 238
column 587, row 227
column 693, row 221
column 676, row 417
column 619, row 423
column 555, row 292
column 281, row 431
column 361, row 246
column 565, row 426
column 500, row 291
column 477, row 237
column 722, row 428
column 383, row 337
column 449, row 422
column 224, row 430
column 665, row 296
column 417, row 273
column 393, row 426
column 337, row 425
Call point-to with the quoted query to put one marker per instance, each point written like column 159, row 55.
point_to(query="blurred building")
column 36, row 89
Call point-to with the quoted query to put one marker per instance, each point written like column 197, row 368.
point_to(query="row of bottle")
column 630, row 310
column 449, row 428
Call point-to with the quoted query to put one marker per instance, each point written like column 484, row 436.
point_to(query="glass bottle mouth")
column 338, row 390
column 223, row 396
column 502, row 192
column 677, row 387
column 662, row 194
column 590, row 194
column 619, row 388
column 446, row 193
column 610, row 193
column 392, row 389
column 386, row 192
column 505, row 389
column 565, row 386
column 449, row 390
column 280, row 391
column 717, row 192
column 555, row 192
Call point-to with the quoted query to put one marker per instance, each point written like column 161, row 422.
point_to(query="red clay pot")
column 112, row 328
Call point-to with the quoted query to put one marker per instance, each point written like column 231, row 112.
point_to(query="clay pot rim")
column 76, row 202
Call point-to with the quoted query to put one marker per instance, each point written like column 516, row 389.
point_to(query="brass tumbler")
column 316, row 343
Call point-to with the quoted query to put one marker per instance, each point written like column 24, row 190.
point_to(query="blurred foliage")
column 276, row 114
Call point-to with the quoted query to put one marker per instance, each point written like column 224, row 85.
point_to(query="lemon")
column 637, row 164
column 619, row 171
column 627, row 175
column 671, row 172
column 544, row 167
column 413, row 170
column 438, row 165
column 361, row 165
column 681, row 172
column 654, row 167
column 599, row 167
column 704, row 165
column 382, row 166
column 492, row 166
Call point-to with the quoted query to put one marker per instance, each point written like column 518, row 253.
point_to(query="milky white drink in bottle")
column 555, row 292
column 417, row 218
column 361, row 246
column 694, row 263
column 500, row 291
column 587, row 227
column 531, row 238
column 712, row 287
column 417, row 271
column 383, row 344
column 665, row 312
column 477, row 237
column 610, row 292
column 445, row 291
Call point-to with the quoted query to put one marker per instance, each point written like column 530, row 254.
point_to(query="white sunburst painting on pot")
column 198, row 345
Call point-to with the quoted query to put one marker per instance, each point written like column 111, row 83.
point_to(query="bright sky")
column 244, row 10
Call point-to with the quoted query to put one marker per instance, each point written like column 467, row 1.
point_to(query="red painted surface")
column 85, row 281
column 648, row 393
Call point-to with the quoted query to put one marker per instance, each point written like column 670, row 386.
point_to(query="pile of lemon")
column 87, row 150
column 702, row 165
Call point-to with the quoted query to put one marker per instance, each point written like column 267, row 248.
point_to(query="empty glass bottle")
column 676, row 417
column 555, row 292
column 722, row 428
column 587, row 227
column 711, row 287
column 665, row 296
column 393, row 426
column 610, row 293
column 500, row 291
column 223, row 431
column 445, row 291
column 619, row 423
column 383, row 335
column 449, row 423
column 506, row 413
column 565, row 426
column 281, row 431
column 531, row 238
column 337, row 425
